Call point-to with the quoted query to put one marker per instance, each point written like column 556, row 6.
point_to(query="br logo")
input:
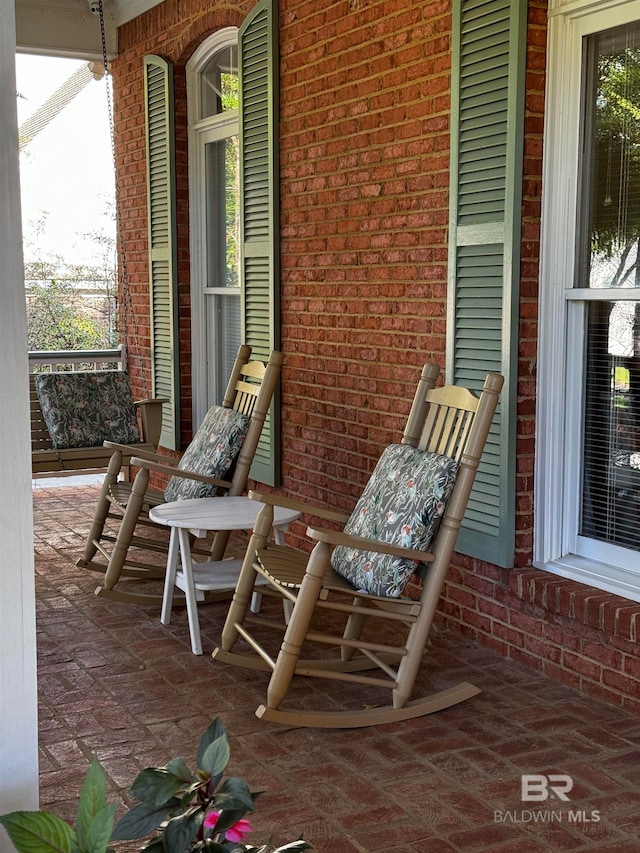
column 537, row 788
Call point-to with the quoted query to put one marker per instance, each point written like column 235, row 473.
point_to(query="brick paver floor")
column 115, row 682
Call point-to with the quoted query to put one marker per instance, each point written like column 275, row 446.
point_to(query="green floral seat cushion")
column 402, row 504
column 212, row 453
column 85, row 409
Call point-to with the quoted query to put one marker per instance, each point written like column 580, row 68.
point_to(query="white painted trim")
column 126, row 10
column 559, row 192
column 573, row 400
column 18, row 689
column 618, row 581
column 577, row 8
column 560, row 317
column 579, row 294
column 201, row 132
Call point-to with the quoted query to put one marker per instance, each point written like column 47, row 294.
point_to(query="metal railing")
column 58, row 361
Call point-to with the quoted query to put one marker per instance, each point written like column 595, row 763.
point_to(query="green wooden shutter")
column 259, row 187
column 163, row 275
column 488, row 55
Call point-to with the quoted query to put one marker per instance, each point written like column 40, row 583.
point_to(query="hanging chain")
column 129, row 316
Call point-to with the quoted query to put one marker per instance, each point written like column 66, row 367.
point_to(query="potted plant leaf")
column 177, row 811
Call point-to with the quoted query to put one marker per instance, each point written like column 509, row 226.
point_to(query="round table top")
column 219, row 513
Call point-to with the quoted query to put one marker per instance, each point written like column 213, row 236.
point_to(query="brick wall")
column 364, row 153
column 364, row 173
column 576, row 634
column 172, row 33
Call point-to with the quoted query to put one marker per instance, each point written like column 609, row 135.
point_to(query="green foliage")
column 71, row 306
column 230, row 93
column 615, row 221
column 58, row 318
column 181, row 811
column 42, row 832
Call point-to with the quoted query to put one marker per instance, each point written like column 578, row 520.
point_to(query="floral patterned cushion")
column 85, row 409
column 212, row 452
column 402, row 505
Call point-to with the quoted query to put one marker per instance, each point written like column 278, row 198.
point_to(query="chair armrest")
column 151, row 418
column 130, row 449
column 335, row 537
column 151, row 401
column 174, row 471
column 299, row 506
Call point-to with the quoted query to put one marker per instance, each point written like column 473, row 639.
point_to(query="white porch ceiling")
column 69, row 28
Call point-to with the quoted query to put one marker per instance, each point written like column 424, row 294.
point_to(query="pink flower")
column 239, row 830
column 235, row 833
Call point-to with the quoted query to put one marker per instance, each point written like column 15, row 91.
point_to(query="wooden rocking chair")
column 236, row 425
column 384, row 541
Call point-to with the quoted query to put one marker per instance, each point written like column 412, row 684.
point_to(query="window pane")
column 223, row 341
column 223, row 214
column 612, row 146
column 219, row 83
column 611, row 486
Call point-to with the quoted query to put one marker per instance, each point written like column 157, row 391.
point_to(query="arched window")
column 214, row 191
column 233, row 119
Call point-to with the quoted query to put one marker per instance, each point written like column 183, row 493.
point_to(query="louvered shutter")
column 259, row 187
column 163, row 277
column 488, row 55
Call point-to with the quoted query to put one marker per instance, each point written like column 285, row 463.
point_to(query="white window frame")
column 561, row 314
column 202, row 132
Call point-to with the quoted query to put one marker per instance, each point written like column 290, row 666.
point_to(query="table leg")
column 170, row 578
column 190, row 592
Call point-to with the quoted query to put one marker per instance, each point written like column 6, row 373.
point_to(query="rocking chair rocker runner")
column 217, row 462
column 386, row 538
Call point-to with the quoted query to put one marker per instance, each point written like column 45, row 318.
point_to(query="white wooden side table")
column 198, row 516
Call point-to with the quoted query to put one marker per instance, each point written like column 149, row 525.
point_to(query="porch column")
column 18, row 697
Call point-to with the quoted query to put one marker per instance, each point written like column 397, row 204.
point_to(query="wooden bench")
column 46, row 459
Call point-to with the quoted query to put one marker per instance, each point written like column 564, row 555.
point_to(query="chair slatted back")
column 251, row 391
column 247, row 392
column 449, row 420
column 441, row 419
column 245, row 382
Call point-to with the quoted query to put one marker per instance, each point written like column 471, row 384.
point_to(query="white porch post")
column 18, row 697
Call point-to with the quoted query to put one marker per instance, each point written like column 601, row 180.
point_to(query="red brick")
column 599, row 691
column 557, row 635
column 476, row 620
column 561, row 674
column 631, row 665
column 525, row 623
column 582, row 666
column 544, row 650
column 462, row 596
column 491, row 608
column 524, row 658
column 509, row 635
column 621, row 682
column 494, row 644
column 631, row 704
column 626, row 622
column 606, row 656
